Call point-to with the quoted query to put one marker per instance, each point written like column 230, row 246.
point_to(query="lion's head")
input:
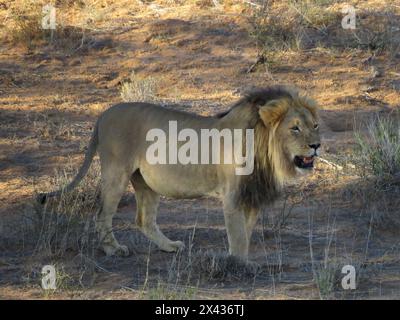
column 286, row 139
column 293, row 134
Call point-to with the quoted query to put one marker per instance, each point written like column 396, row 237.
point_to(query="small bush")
column 379, row 149
column 138, row 89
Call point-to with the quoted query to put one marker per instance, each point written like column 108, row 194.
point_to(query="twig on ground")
column 260, row 60
column 331, row 164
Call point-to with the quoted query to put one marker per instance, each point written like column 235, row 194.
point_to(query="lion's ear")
column 273, row 111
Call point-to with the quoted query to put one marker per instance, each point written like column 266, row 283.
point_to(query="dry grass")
column 199, row 51
column 302, row 25
column 138, row 89
column 169, row 291
column 286, row 27
column 67, row 222
column 64, row 226
column 75, row 23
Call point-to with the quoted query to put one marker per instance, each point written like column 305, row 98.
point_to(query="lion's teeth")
column 307, row 159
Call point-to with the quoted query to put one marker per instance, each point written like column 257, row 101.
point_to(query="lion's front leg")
column 235, row 223
column 251, row 221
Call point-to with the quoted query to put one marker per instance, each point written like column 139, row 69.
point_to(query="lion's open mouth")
column 304, row 162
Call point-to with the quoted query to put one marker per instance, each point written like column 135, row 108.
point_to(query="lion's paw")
column 117, row 250
column 173, row 246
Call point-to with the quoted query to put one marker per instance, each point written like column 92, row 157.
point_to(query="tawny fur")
column 120, row 139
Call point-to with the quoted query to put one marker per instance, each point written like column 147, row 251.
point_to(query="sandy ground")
column 198, row 55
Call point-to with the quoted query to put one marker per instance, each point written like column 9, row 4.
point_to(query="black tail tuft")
column 41, row 198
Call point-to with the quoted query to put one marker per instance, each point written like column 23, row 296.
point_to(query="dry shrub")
column 377, row 30
column 24, row 26
column 296, row 25
column 26, row 30
column 290, row 25
column 138, row 89
column 52, row 126
column 73, row 30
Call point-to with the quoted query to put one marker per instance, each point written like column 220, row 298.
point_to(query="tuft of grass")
column 326, row 271
column 66, row 223
column 325, row 279
column 166, row 291
column 138, row 89
column 379, row 149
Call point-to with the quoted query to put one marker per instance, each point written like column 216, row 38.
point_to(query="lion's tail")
column 90, row 153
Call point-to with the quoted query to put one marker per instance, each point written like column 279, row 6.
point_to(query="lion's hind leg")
column 146, row 214
column 114, row 181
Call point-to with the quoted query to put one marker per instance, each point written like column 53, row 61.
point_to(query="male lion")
column 286, row 139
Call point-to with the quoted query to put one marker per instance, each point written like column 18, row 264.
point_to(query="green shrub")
column 379, row 148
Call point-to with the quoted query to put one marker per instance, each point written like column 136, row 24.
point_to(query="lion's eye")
column 295, row 129
column 316, row 126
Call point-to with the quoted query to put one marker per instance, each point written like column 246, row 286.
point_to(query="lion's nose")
column 315, row 146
